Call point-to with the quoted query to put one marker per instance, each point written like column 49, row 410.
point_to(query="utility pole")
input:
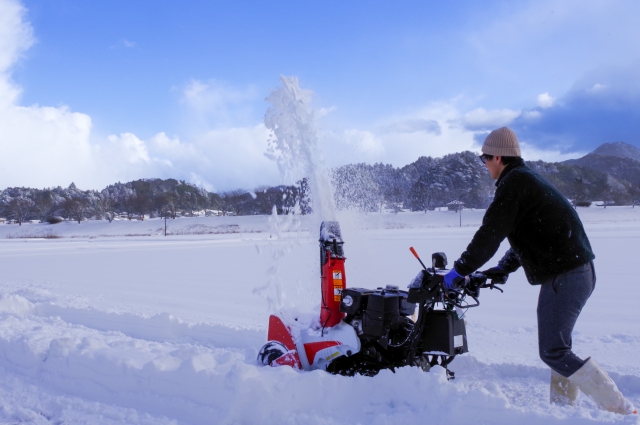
column 460, row 210
column 165, row 224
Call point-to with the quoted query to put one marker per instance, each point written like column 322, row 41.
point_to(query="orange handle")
column 413, row 251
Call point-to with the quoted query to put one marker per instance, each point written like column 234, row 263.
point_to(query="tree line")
column 423, row 185
column 430, row 183
column 148, row 198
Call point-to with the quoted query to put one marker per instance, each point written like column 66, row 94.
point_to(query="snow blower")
column 362, row 331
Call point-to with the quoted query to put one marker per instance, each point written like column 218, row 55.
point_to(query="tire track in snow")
column 160, row 327
column 172, row 374
column 213, row 385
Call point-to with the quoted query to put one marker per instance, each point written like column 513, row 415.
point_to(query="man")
column 547, row 239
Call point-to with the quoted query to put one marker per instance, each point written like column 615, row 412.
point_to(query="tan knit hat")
column 501, row 142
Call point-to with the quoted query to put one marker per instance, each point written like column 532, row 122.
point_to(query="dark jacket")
column 543, row 229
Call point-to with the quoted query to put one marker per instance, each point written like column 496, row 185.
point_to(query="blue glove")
column 452, row 279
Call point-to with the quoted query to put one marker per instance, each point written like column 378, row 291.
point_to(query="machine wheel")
column 270, row 352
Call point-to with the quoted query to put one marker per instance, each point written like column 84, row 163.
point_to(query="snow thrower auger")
column 362, row 331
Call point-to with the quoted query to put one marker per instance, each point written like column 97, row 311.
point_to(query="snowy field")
column 115, row 323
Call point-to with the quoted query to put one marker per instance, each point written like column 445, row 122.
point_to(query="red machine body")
column 316, row 347
column 334, row 282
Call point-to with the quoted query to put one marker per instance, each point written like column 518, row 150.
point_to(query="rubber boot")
column 594, row 382
column 562, row 391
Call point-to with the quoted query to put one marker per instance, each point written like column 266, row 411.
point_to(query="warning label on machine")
column 458, row 341
column 337, row 285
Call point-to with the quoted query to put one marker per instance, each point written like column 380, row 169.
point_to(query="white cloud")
column 365, row 143
column 545, row 100
column 235, row 157
column 597, row 87
column 323, row 112
column 16, row 36
column 602, row 29
column 401, row 148
column 219, row 159
column 40, row 146
column 482, row 119
column 44, row 146
column 531, row 115
column 133, row 149
column 392, row 144
column 124, row 43
column 413, row 125
column 215, row 103
column 548, row 44
column 532, row 153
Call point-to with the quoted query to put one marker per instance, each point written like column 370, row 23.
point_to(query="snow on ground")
column 105, row 323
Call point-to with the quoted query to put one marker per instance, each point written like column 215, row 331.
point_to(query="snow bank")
column 142, row 330
column 202, row 385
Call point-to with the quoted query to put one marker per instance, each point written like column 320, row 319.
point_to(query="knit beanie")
column 501, row 142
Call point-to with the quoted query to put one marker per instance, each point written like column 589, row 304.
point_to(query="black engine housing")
column 390, row 338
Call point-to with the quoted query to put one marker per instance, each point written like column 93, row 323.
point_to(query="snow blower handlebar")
column 433, row 290
column 415, row 254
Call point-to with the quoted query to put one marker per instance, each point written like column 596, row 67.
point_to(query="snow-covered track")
column 203, row 385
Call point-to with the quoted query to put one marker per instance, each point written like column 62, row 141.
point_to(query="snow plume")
column 294, row 144
column 272, row 290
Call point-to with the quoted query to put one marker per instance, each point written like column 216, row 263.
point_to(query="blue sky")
column 96, row 92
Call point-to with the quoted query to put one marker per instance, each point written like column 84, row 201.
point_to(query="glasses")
column 484, row 158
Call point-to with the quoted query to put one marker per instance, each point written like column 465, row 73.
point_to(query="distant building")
column 455, row 205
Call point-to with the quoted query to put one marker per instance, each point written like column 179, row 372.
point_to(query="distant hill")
column 619, row 149
column 620, row 160
column 611, row 173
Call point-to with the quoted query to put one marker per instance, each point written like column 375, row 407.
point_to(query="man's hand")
column 496, row 274
column 453, row 280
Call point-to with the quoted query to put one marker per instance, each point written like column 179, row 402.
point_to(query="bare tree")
column 79, row 208
column 67, row 206
column 189, row 201
column 103, row 207
column 168, row 204
column 236, row 200
column 634, row 192
column 43, row 204
column 214, row 201
column 141, row 204
column 127, row 203
column 19, row 209
column 266, row 198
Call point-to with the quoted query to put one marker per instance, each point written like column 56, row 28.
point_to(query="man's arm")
column 509, row 262
column 498, row 222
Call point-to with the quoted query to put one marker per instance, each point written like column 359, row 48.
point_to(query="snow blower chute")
column 366, row 330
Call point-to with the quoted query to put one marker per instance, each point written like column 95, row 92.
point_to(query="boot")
column 562, row 391
column 594, row 382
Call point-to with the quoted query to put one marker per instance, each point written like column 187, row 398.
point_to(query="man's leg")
column 559, row 305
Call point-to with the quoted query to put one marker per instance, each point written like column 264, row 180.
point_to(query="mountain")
column 610, row 173
column 619, row 149
column 620, row 160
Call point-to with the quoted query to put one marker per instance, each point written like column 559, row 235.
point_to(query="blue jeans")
column 559, row 305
